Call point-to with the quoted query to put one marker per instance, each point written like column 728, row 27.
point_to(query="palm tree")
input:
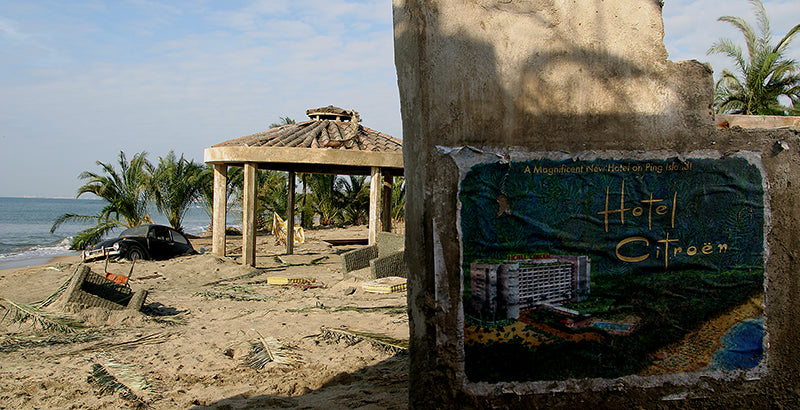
column 175, row 185
column 354, row 199
column 272, row 196
column 324, row 198
column 763, row 76
column 398, row 199
column 125, row 191
column 234, row 181
column 282, row 121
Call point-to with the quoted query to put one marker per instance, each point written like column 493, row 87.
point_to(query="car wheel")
column 135, row 252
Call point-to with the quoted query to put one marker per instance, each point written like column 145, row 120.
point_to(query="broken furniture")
column 93, row 290
column 384, row 258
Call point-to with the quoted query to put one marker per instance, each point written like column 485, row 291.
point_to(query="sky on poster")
column 84, row 79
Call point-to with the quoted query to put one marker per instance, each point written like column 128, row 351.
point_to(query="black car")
column 143, row 242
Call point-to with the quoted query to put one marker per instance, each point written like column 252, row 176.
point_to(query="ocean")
column 25, row 237
column 742, row 347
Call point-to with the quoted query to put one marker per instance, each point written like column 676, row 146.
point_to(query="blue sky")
column 84, row 79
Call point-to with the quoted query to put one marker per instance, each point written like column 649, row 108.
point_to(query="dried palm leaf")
column 109, row 384
column 124, row 374
column 239, row 294
column 351, row 337
column 9, row 343
column 267, row 350
column 151, row 339
column 47, row 321
column 391, row 310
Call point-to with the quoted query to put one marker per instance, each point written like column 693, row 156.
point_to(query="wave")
column 31, row 255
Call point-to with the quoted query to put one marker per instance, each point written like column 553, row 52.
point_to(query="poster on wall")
column 605, row 268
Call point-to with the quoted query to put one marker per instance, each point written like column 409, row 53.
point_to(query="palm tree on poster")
column 763, row 75
column 125, row 190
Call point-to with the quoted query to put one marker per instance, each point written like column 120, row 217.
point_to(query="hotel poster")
column 604, row 268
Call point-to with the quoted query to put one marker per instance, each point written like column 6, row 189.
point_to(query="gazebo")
column 331, row 142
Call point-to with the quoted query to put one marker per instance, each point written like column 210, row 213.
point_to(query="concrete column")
column 386, row 203
column 219, row 210
column 249, row 215
column 290, row 216
column 375, row 183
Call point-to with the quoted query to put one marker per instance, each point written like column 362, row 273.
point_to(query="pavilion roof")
column 332, row 138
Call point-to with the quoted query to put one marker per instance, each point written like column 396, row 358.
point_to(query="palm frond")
column 10, row 343
column 766, row 74
column 267, row 350
column 63, row 218
column 89, row 236
column 109, row 384
column 351, row 337
column 47, row 321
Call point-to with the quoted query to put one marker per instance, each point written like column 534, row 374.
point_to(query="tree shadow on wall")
column 539, row 96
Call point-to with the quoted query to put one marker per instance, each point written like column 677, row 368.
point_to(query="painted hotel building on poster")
column 522, row 282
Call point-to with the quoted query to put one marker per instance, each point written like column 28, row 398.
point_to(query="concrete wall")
column 569, row 76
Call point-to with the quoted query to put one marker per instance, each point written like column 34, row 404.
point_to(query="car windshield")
column 140, row 230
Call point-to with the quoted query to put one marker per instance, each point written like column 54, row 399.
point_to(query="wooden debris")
column 389, row 284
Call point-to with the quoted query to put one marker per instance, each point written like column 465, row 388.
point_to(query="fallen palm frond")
column 351, row 337
column 172, row 320
column 239, row 295
column 10, row 343
column 267, row 350
column 47, row 321
column 109, row 384
column 124, row 374
column 392, row 310
column 151, row 339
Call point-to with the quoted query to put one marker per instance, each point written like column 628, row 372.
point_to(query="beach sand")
column 200, row 319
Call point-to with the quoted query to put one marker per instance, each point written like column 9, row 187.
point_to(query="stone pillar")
column 386, row 203
column 375, row 186
column 249, row 214
column 290, row 215
column 219, row 209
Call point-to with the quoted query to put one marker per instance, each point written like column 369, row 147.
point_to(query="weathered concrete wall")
column 567, row 76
